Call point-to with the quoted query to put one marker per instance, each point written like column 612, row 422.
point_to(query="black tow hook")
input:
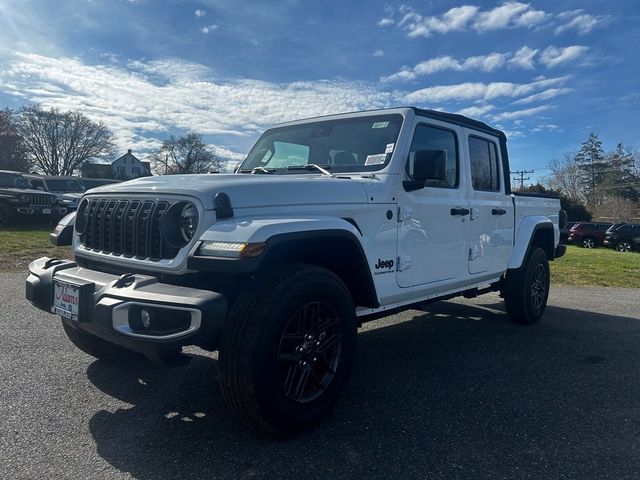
column 125, row 280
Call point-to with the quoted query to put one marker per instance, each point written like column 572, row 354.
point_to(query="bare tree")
column 13, row 155
column 567, row 177
column 60, row 142
column 186, row 154
column 618, row 209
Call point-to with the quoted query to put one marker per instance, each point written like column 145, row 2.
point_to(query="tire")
column 6, row 216
column 588, row 242
column 526, row 290
column 624, row 246
column 288, row 349
column 94, row 346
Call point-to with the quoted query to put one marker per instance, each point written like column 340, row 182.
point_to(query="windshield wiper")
column 312, row 166
column 255, row 170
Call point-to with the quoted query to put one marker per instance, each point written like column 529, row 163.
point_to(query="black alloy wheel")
column 309, row 352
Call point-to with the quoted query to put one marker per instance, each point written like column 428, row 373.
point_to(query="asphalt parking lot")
column 457, row 392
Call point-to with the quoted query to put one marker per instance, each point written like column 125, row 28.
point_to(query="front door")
column 432, row 224
column 491, row 216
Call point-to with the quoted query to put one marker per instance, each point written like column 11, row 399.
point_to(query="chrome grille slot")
column 132, row 228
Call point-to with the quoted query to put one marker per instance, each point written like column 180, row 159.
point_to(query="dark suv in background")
column 17, row 199
column 625, row 238
column 587, row 234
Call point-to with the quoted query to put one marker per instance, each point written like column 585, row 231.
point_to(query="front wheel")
column 6, row 216
column 288, row 348
column 526, row 290
column 624, row 246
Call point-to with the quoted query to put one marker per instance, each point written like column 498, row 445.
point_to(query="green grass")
column 600, row 267
column 21, row 244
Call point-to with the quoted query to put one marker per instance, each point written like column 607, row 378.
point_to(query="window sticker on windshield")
column 380, row 125
column 389, row 148
column 375, row 159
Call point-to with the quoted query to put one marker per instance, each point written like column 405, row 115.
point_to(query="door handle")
column 459, row 211
column 498, row 211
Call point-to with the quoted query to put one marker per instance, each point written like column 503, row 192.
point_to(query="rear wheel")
column 589, row 242
column 94, row 346
column 288, row 349
column 624, row 246
column 526, row 290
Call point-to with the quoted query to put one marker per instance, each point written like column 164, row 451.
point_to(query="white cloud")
column 518, row 114
column 553, row 56
column 209, row 28
column 476, row 111
column 507, row 15
column 378, row 53
column 143, row 100
column 544, row 95
column 484, row 63
column 200, row 13
column 583, row 23
column 386, row 22
column 523, row 58
column 480, row 91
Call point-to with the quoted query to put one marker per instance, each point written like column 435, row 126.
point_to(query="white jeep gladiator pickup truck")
column 328, row 222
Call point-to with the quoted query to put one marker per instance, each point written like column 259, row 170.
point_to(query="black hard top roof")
column 460, row 120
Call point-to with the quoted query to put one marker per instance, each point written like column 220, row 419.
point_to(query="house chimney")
column 129, row 151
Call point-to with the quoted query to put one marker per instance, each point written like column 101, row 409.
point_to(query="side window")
column 485, row 174
column 433, row 138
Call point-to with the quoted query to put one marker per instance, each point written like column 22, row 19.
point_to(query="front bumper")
column 108, row 304
column 46, row 211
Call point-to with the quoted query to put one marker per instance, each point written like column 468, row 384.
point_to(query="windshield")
column 346, row 145
column 13, row 181
column 64, row 185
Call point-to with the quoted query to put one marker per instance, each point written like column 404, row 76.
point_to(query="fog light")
column 145, row 318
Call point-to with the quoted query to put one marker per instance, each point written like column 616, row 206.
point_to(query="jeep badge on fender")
column 384, row 264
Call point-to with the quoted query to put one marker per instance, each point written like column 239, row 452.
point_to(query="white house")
column 128, row 166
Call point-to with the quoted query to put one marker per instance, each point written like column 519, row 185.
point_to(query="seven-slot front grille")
column 40, row 200
column 132, row 228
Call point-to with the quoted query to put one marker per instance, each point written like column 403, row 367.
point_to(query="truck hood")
column 18, row 191
column 247, row 190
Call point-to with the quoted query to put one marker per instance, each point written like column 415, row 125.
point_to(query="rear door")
column 491, row 218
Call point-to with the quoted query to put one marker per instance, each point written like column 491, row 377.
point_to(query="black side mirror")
column 427, row 165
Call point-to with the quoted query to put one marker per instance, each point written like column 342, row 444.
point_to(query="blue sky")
column 545, row 72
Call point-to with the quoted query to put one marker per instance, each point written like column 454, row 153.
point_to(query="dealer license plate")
column 46, row 211
column 66, row 300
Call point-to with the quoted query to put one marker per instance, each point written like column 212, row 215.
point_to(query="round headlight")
column 188, row 221
column 179, row 224
column 24, row 198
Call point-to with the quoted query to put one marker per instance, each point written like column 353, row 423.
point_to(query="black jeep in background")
column 17, row 200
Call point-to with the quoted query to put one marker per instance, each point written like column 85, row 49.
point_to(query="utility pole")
column 521, row 173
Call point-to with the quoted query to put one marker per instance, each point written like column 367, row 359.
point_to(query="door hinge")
column 404, row 263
